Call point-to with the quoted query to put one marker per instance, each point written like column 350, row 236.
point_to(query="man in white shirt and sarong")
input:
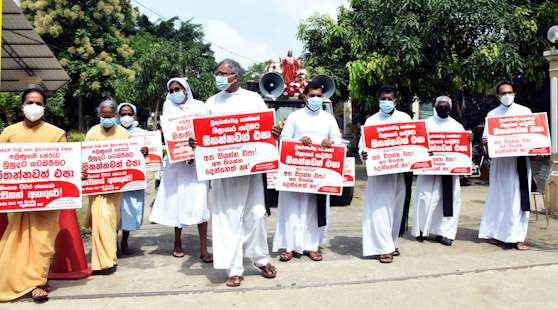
column 385, row 196
column 437, row 200
column 238, row 204
column 302, row 217
column 505, row 217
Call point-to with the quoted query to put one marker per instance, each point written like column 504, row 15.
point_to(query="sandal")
column 268, row 271
column 314, row 255
column 178, row 253
column 396, row 252
column 521, row 246
column 386, row 258
column 39, row 295
column 286, row 256
column 208, row 258
column 234, row 281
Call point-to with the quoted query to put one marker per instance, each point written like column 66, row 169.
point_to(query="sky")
column 255, row 29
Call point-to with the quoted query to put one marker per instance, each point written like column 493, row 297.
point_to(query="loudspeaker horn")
column 328, row 85
column 272, row 85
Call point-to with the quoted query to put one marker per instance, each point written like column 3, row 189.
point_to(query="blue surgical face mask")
column 177, row 97
column 108, row 122
column 387, row 106
column 222, row 82
column 315, row 103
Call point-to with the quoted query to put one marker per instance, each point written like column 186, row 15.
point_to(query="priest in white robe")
column 437, row 200
column 238, row 204
column 298, row 230
column 182, row 199
column 385, row 194
column 505, row 217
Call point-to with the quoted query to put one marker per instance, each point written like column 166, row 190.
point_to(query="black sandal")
column 208, row 259
column 39, row 299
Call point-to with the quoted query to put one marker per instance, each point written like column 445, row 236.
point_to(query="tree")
column 91, row 44
column 428, row 48
column 254, row 72
column 164, row 51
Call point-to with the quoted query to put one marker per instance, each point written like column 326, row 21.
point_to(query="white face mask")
column 507, row 100
column 127, row 121
column 33, row 112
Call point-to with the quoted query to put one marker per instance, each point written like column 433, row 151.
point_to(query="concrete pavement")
column 468, row 275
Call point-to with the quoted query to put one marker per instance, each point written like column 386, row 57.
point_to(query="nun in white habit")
column 299, row 229
column 437, row 200
column 505, row 218
column 182, row 199
column 238, row 206
column 384, row 199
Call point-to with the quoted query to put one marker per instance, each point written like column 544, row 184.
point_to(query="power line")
column 203, row 39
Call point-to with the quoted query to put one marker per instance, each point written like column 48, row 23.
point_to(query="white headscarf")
column 184, row 83
column 123, row 104
column 171, row 108
column 443, row 98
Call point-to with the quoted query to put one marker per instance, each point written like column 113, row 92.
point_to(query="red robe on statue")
column 290, row 67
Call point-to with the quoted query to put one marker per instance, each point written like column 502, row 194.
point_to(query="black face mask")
column 443, row 111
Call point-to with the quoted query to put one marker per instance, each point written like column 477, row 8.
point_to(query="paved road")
column 468, row 275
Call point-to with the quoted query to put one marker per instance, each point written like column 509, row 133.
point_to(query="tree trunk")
column 81, row 125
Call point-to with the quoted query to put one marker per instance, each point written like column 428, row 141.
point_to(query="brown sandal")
column 314, row 255
column 268, row 271
column 386, row 259
column 234, row 281
column 286, row 256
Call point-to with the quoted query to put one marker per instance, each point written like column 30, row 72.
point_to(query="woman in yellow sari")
column 27, row 246
column 104, row 209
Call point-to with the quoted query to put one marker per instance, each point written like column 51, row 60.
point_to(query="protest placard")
column 113, row 166
column 40, row 176
column 396, row 147
column 235, row 145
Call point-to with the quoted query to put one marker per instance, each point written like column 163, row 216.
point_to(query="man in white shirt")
column 300, row 230
column 437, row 200
column 238, row 205
column 385, row 194
column 506, row 212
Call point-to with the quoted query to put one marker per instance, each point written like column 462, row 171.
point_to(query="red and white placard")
column 519, row 135
column 113, row 166
column 349, row 175
column 396, row 147
column 177, row 131
column 451, row 153
column 235, row 145
column 311, row 169
column 40, row 176
column 153, row 141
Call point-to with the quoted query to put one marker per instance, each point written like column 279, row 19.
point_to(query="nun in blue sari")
column 131, row 206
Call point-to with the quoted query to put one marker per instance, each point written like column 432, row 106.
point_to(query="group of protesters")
column 238, row 205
